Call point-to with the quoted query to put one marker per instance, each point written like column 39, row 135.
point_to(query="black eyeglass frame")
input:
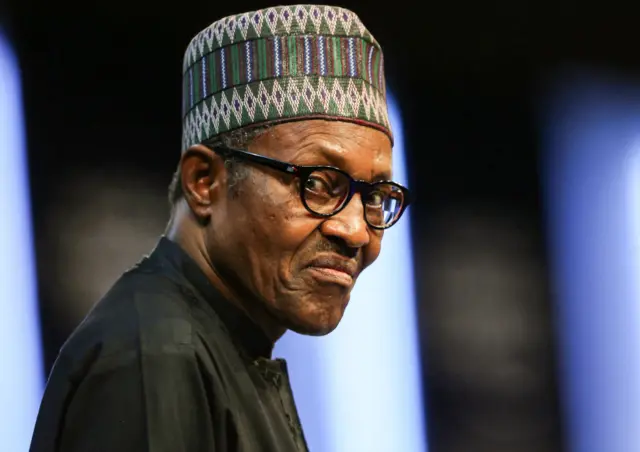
column 304, row 171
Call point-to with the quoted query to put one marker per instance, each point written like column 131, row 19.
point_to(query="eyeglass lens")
column 325, row 192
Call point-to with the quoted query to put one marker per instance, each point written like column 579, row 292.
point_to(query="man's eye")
column 317, row 185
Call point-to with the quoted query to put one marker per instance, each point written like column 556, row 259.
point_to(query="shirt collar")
column 242, row 329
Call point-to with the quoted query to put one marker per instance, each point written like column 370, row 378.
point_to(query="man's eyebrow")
column 338, row 160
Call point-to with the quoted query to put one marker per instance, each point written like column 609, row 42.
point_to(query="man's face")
column 263, row 241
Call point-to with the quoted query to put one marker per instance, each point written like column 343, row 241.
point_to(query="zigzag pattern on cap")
column 281, row 64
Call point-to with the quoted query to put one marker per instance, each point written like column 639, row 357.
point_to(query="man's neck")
column 183, row 230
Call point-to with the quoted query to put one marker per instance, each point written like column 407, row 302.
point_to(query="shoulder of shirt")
column 146, row 311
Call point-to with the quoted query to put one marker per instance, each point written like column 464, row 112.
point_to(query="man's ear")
column 203, row 178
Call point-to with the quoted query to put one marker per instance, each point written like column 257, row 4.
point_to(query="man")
column 279, row 202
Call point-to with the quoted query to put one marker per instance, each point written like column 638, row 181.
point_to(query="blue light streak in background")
column 592, row 182
column 21, row 379
column 360, row 387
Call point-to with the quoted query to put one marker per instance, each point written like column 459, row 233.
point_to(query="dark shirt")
column 164, row 364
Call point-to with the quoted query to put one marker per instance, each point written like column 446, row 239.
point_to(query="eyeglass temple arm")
column 261, row 159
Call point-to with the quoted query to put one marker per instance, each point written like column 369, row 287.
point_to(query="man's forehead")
column 352, row 147
column 333, row 137
column 366, row 163
column 336, row 136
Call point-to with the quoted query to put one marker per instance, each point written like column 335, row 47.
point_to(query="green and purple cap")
column 280, row 64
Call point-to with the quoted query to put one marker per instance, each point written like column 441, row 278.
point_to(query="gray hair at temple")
column 239, row 139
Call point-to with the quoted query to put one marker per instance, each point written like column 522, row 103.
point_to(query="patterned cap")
column 282, row 64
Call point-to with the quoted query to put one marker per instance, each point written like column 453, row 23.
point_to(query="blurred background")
column 521, row 140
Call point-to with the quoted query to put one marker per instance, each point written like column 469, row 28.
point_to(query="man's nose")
column 349, row 224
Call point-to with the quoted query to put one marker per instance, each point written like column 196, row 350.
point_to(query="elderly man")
column 280, row 200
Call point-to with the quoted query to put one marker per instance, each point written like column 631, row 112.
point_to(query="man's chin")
column 314, row 330
column 316, row 326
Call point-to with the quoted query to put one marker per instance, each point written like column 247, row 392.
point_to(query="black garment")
column 164, row 364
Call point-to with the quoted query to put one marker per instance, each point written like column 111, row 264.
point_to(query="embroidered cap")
column 282, row 64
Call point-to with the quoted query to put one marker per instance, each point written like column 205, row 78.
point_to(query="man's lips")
column 334, row 269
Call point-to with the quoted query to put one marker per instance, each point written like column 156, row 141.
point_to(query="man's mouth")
column 334, row 269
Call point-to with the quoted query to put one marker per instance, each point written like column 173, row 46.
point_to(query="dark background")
column 101, row 85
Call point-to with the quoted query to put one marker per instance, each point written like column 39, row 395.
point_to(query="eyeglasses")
column 326, row 190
